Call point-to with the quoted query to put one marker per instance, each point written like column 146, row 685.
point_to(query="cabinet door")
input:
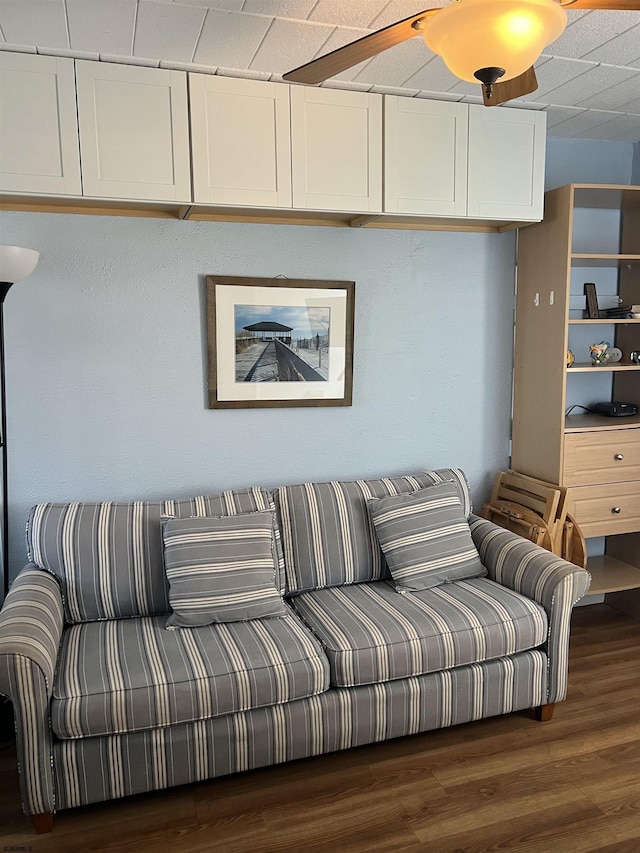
column 240, row 141
column 506, row 163
column 425, row 156
column 134, row 138
column 38, row 127
column 336, row 141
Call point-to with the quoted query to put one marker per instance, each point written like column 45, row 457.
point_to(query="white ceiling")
column 589, row 79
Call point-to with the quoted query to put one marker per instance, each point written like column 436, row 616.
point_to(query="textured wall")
column 106, row 359
column 587, row 161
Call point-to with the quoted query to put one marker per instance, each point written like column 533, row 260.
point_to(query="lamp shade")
column 17, row 263
column 508, row 34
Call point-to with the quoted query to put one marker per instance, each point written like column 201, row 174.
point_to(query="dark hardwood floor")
column 503, row 784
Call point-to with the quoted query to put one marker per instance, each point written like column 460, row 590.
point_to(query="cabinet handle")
column 619, row 457
column 615, row 510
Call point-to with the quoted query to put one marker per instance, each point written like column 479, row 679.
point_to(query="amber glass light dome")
column 508, row 34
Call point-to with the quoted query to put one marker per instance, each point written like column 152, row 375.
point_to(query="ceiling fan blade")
column 319, row 70
column 524, row 84
column 615, row 5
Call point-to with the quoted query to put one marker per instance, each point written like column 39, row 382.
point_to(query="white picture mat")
column 227, row 296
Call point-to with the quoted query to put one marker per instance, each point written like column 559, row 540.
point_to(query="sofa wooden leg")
column 545, row 712
column 42, row 822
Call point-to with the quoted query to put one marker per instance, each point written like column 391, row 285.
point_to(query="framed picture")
column 279, row 342
column 593, row 312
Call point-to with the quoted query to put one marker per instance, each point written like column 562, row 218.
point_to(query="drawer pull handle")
column 619, row 457
column 615, row 510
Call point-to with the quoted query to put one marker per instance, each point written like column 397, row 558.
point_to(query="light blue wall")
column 587, row 161
column 106, row 355
column 106, row 359
column 635, row 177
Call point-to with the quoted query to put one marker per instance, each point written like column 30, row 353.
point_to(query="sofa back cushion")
column 327, row 533
column 109, row 556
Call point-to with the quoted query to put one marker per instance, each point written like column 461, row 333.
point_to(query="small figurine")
column 570, row 358
column 599, row 353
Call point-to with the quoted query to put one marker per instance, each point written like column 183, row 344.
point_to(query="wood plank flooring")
column 503, row 784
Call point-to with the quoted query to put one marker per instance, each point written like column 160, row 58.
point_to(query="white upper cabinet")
column 240, row 141
column 506, row 163
column 38, row 125
column 425, row 156
column 134, row 132
column 336, row 141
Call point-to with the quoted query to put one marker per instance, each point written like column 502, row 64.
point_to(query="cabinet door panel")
column 336, row 140
column 425, row 156
column 506, row 163
column 39, row 130
column 134, row 138
column 240, row 141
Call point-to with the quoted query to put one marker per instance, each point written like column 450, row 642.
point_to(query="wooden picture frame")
column 593, row 312
column 275, row 343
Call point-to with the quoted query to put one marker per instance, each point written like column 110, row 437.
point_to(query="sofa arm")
column 31, row 623
column 553, row 582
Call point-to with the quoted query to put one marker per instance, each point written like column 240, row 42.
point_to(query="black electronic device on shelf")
column 614, row 409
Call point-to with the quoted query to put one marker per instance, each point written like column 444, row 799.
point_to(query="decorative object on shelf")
column 614, row 355
column 16, row 263
column 593, row 312
column 281, row 342
column 598, row 352
column 634, row 356
column 571, row 359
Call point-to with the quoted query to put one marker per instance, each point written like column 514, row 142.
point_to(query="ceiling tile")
column 590, row 83
column 557, row 115
column 622, row 50
column 289, row 44
column 105, row 27
column 298, row 9
column 591, row 30
column 39, row 22
column 396, row 65
column 552, row 73
column 621, row 128
column 434, row 76
column 398, row 10
column 338, row 38
column 168, row 31
column 581, row 123
column 613, row 97
column 224, row 5
column 229, row 40
column 356, row 13
column 631, row 106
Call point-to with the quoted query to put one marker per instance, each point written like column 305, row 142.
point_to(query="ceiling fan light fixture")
column 509, row 34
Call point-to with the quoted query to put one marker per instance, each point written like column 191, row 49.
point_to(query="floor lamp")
column 15, row 264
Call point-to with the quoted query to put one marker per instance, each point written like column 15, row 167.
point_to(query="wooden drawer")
column 601, row 457
column 608, row 509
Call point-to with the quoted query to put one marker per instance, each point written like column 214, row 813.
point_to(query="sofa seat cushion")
column 372, row 634
column 127, row 675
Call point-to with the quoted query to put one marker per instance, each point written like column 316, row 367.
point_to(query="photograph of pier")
column 281, row 343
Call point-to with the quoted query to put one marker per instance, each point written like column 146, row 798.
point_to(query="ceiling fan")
column 482, row 41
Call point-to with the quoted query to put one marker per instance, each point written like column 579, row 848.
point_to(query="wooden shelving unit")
column 550, row 255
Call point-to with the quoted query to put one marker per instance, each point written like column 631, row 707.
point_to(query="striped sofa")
column 109, row 703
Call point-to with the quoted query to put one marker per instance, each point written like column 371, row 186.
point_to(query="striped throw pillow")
column 425, row 537
column 221, row 569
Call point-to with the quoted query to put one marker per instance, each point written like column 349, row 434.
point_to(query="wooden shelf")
column 604, row 321
column 582, row 367
column 579, row 259
column 590, row 422
column 611, row 575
